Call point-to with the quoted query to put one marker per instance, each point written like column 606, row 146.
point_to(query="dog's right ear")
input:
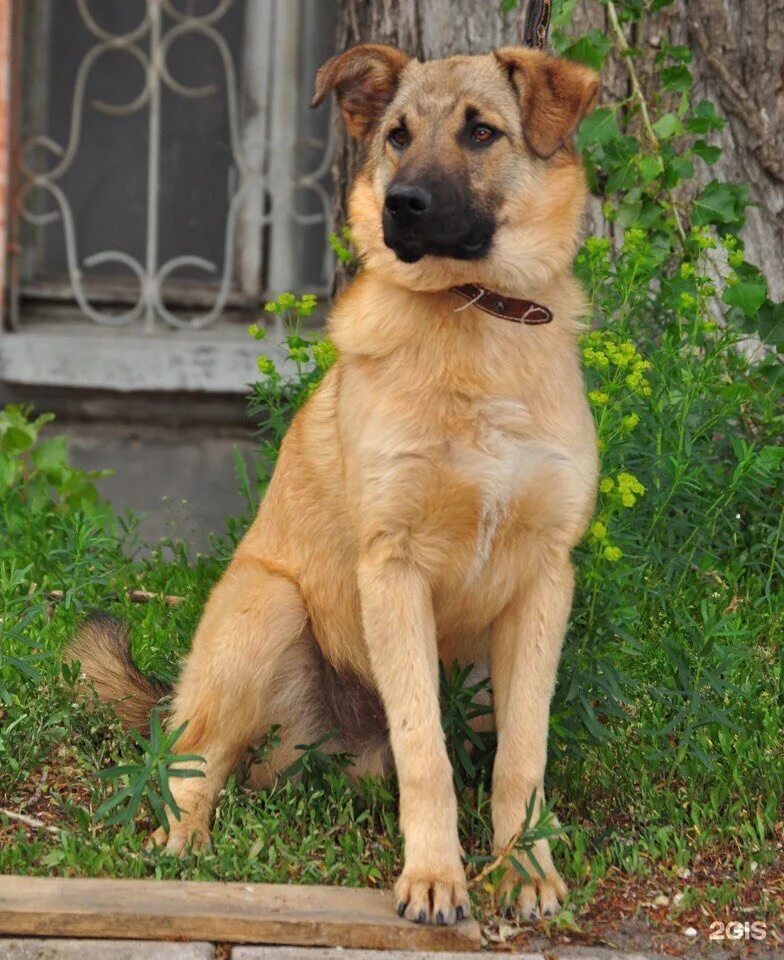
column 365, row 79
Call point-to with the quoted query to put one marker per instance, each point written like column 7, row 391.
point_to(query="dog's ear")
column 555, row 95
column 365, row 79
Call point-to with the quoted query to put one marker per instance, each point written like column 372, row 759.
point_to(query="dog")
column 428, row 495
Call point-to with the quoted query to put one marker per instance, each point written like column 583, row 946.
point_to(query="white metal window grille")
column 168, row 174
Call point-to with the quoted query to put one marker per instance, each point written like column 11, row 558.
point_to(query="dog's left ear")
column 365, row 80
column 555, row 95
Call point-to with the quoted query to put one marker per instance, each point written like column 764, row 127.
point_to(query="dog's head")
column 470, row 175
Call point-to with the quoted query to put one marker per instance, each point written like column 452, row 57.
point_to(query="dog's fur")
column 428, row 495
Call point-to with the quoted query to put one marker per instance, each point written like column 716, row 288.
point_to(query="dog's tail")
column 102, row 647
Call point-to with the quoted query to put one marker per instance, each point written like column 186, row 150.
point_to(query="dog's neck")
column 395, row 316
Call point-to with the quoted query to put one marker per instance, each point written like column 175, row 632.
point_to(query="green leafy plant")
column 315, row 765
column 342, row 245
column 36, row 472
column 642, row 153
column 464, row 699
column 286, row 385
column 148, row 780
column 22, row 606
column 538, row 824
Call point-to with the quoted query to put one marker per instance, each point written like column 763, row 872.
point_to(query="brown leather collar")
column 507, row 308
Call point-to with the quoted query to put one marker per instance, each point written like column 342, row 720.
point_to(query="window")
column 169, row 175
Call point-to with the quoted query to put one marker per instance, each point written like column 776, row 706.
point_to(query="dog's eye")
column 483, row 134
column 399, row 137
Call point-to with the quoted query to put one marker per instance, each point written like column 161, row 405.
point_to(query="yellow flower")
column 606, row 484
column 688, row 302
column 628, row 483
column 628, row 499
column 265, row 365
column 598, row 530
column 613, row 553
column 598, row 398
column 631, row 421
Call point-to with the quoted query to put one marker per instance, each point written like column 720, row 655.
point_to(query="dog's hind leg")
column 295, row 707
column 250, row 629
column 312, row 702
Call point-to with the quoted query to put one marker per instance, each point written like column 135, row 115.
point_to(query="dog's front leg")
column 397, row 615
column 526, row 645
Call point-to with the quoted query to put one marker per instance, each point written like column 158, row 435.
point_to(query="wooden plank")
column 234, row 912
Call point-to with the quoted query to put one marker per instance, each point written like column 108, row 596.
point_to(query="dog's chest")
column 496, row 453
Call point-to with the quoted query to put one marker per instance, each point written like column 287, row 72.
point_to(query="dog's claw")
column 459, row 912
column 401, row 908
column 432, row 896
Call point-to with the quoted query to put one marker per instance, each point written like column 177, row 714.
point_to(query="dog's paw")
column 538, row 896
column 433, row 895
column 184, row 836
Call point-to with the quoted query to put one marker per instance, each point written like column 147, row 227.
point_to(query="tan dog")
column 428, row 495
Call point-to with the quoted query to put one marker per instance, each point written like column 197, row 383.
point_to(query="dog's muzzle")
column 420, row 220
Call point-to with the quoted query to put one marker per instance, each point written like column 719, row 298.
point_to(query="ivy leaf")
column 747, row 295
column 771, row 324
column 650, row 168
column 630, row 208
column 721, row 204
column 668, row 126
column 706, row 152
column 600, row 127
column 623, row 177
column 678, row 168
column 676, row 52
column 677, row 77
column 562, row 15
column 591, row 49
column 705, row 119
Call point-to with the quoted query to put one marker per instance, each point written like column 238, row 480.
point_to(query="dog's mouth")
column 411, row 246
column 431, row 237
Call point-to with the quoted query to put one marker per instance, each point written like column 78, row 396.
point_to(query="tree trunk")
column 738, row 64
column 739, row 59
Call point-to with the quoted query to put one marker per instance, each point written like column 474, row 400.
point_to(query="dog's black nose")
column 406, row 204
